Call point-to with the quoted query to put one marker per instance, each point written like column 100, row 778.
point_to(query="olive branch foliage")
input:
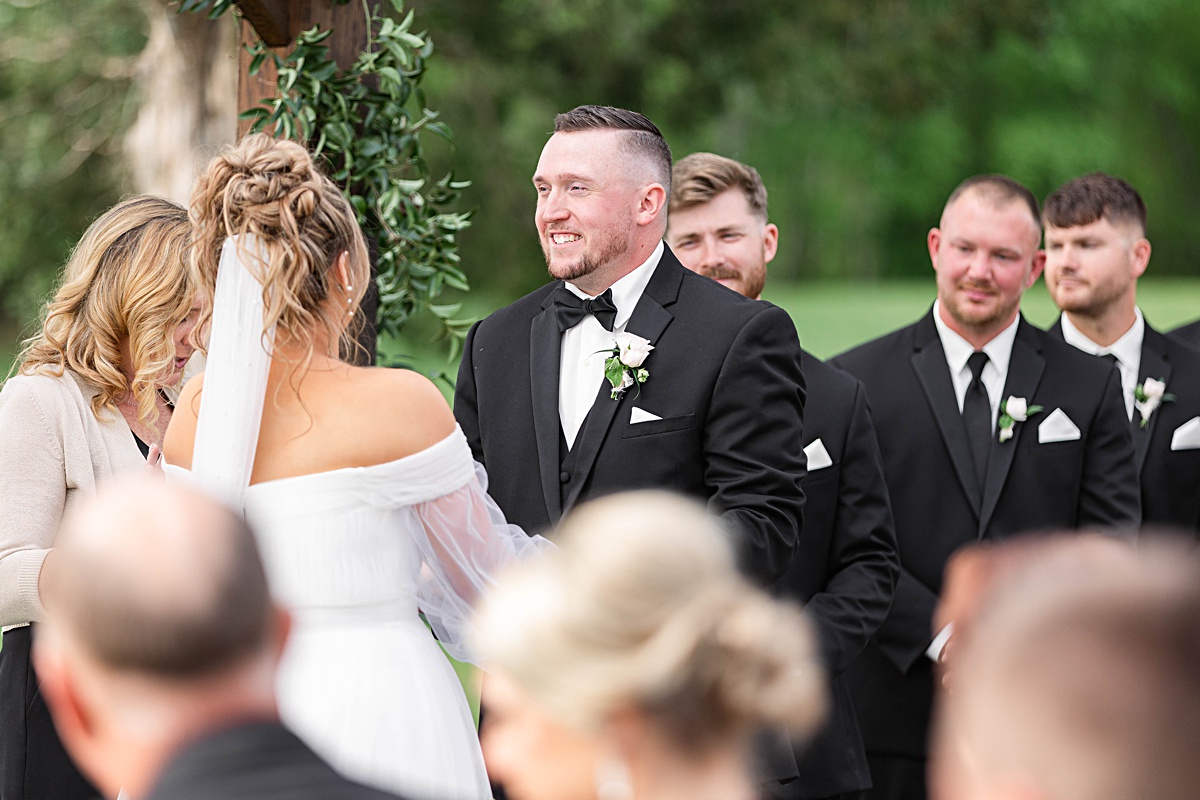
column 366, row 124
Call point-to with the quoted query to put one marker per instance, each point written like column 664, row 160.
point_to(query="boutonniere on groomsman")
column 1148, row 396
column 1012, row 411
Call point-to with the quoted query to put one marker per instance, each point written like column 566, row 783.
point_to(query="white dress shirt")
column 581, row 364
column 1127, row 349
column 995, row 372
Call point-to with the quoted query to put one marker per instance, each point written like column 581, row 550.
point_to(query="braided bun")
column 643, row 607
column 271, row 189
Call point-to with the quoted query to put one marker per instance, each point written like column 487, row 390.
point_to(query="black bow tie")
column 571, row 309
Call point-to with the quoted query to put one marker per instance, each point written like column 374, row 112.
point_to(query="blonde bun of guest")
column 643, row 608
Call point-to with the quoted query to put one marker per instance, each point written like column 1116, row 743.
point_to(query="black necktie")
column 977, row 416
column 1109, row 357
column 570, row 309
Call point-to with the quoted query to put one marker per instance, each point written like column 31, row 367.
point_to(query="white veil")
column 235, row 379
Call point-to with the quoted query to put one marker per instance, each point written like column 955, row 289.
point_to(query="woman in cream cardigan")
column 88, row 403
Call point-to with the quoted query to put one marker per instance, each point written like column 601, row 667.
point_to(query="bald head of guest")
column 1079, row 683
column 161, row 628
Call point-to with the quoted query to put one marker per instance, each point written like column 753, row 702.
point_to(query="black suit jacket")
column 725, row 378
column 1170, row 479
column 845, row 569
column 938, row 506
column 1188, row 334
column 255, row 761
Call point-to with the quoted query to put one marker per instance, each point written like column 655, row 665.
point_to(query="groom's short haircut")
column 700, row 177
column 1095, row 196
column 642, row 137
column 1083, row 678
column 161, row 581
column 1000, row 190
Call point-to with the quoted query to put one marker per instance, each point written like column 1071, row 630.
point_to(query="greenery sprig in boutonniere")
column 623, row 367
column 1012, row 411
column 1149, row 396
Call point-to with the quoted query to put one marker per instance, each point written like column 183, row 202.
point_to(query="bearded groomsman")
column 988, row 427
column 706, row 395
column 1096, row 249
column 846, row 566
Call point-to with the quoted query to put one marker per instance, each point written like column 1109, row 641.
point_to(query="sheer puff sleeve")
column 464, row 542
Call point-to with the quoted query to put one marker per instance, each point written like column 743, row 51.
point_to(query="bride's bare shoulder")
column 406, row 407
column 181, row 432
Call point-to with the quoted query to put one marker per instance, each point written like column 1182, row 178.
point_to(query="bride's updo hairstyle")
column 271, row 189
column 642, row 608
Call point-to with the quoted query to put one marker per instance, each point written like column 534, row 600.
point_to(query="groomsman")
column 846, row 566
column 988, row 427
column 1096, row 249
column 706, row 395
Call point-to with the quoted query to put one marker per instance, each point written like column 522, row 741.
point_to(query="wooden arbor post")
column 277, row 23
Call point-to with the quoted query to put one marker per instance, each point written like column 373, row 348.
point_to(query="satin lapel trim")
column 545, row 344
column 1025, row 368
column 930, row 365
column 649, row 320
column 1154, row 365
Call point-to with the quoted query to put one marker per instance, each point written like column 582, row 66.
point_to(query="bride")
column 359, row 484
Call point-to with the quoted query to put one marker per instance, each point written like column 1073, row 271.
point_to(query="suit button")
column 564, row 476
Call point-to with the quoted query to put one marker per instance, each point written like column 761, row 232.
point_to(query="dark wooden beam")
column 269, row 18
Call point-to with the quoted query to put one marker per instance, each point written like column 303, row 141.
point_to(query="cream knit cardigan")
column 53, row 452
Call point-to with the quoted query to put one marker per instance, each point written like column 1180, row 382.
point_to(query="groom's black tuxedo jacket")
column 725, row 378
column 1188, row 334
column 255, row 761
column 1170, row 478
column 938, row 506
column 845, row 569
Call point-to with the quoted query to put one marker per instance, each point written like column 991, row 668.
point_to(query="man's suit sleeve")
column 863, row 561
column 466, row 402
column 1110, row 493
column 752, row 476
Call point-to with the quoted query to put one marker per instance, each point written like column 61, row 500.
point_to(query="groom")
column 713, row 411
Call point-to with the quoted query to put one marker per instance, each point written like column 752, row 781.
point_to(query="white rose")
column 1017, row 408
column 1006, row 434
column 1154, row 389
column 633, row 349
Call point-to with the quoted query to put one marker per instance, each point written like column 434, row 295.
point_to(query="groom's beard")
column 610, row 244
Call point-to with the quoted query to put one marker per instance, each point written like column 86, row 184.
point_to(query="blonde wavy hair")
column 271, row 189
column 643, row 607
column 126, row 280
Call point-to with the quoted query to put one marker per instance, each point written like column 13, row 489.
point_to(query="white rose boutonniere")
column 623, row 367
column 1149, row 396
column 1012, row 411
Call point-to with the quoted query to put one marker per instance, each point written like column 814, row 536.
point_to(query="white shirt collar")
column 958, row 349
column 1127, row 349
column 628, row 290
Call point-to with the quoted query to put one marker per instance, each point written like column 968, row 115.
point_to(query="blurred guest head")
column 1096, row 249
column 161, row 629
column 635, row 662
column 122, row 317
column 985, row 252
column 314, row 266
column 602, row 182
column 1080, row 681
column 718, row 222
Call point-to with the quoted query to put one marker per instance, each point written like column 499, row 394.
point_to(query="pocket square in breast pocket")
column 818, row 456
column 1187, row 435
column 637, row 415
column 1057, row 428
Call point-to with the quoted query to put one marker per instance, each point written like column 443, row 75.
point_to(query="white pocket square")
column 1057, row 428
column 818, row 456
column 1187, row 435
column 637, row 415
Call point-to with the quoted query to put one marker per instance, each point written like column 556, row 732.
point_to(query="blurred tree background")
column 861, row 114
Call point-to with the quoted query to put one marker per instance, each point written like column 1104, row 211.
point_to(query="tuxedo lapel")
column 929, row 362
column 1025, row 367
column 545, row 343
column 1154, row 365
column 649, row 320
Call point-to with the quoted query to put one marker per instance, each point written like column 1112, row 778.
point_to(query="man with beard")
column 845, row 568
column 988, row 427
column 1096, row 249
column 627, row 371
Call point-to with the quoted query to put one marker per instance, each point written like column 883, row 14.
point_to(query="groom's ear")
column 651, row 205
